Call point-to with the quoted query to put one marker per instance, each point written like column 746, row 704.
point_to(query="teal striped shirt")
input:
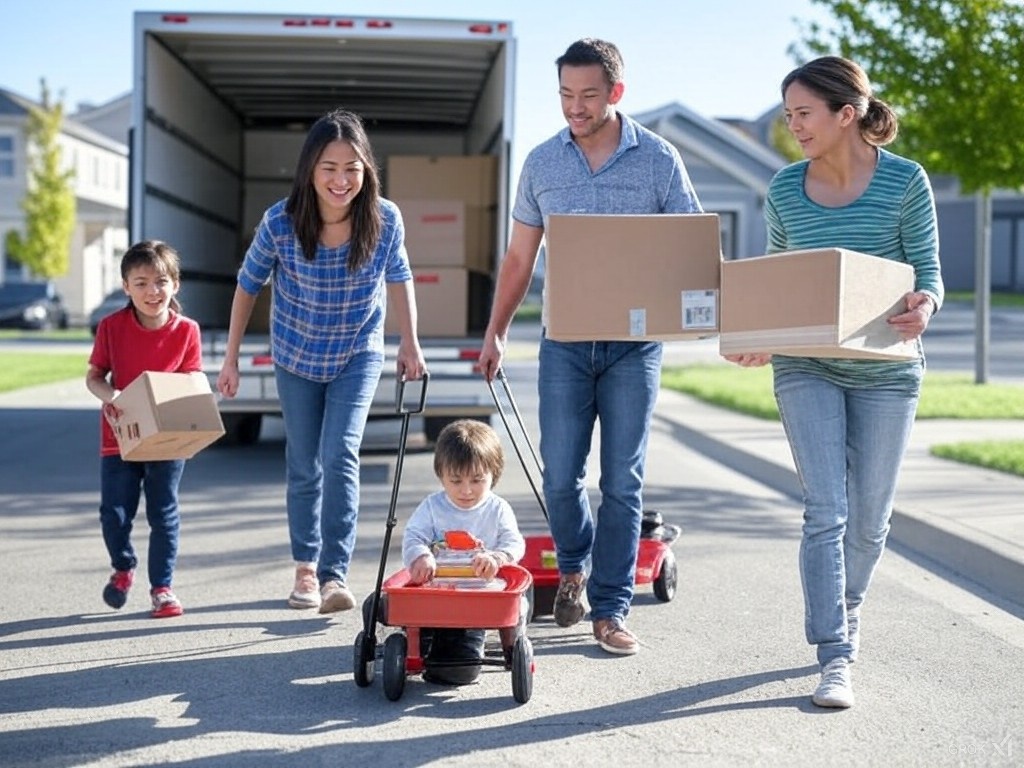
column 894, row 218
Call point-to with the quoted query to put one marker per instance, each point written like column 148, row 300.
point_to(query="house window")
column 6, row 156
column 1008, row 252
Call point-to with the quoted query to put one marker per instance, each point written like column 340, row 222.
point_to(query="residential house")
column 95, row 149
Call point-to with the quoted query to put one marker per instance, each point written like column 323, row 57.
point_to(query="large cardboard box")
column 450, row 301
column 828, row 302
column 448, row 233
column 625, row 277
column 472, row 179
column 166, row 416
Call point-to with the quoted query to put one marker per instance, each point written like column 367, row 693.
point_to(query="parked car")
column 113, row 301
column 32, row 304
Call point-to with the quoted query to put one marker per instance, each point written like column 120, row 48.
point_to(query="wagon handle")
column 400, row 407
column 522, row 429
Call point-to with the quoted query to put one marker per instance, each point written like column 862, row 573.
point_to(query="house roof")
column 13, row 104
column 716, row 143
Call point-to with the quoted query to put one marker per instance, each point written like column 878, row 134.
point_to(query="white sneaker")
column 306, row 593
column 835, row 689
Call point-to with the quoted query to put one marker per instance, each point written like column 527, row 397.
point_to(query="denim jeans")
column 323, row 428
column 122, row 484
column 847, row 445
column 578, row 384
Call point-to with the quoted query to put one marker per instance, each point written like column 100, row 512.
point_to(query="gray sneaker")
column 335, row 596
column 569, row 607
column 835, row 689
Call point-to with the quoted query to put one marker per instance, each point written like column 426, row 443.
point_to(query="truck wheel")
column 242, row 428
column 432, row 425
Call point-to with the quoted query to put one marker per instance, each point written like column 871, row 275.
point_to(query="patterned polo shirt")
column 644, row 175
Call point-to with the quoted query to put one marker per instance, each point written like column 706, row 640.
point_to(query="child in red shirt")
column 149, row 334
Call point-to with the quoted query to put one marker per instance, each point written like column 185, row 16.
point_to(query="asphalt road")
column 723, row 678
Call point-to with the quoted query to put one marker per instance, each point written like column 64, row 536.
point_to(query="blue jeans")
column 122, row 484
column 847, row 446
column 578, row 384
column 323, row 428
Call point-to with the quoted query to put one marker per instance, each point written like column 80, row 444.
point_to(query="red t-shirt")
column 126, row 349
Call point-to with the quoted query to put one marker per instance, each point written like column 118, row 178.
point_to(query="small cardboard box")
column 625, row 277
column 166, row 416
column 450, row 302
column 828, row 302
column 473, row 179
column 448, row 233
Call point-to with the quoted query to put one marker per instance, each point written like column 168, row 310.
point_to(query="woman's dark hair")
column 590, row 50
column 302, row 207
column 840, row 82
column 158, row 255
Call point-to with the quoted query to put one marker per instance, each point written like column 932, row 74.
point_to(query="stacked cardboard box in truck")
column 448, row 205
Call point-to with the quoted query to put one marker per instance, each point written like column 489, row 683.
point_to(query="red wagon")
column 460, row 603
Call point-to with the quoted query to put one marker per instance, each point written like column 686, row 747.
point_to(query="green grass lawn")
column 27, row 369
column 68, row 334
column 998, row 299
column 943, row 396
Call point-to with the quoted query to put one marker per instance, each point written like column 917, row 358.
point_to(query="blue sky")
column 723, row 58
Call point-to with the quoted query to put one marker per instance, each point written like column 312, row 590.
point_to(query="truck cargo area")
column 221, row 105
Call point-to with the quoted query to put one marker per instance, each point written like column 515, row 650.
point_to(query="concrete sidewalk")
column 967, row 519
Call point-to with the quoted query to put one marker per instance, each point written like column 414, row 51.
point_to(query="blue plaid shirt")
column 322, row 314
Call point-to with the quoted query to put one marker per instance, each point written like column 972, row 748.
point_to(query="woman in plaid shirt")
column 334, row 252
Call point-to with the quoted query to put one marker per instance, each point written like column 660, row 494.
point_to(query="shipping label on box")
column 448, row 233
column 625, row 277
column 166, row 416
column 827, row 302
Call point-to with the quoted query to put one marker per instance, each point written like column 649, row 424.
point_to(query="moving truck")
column 221, row 105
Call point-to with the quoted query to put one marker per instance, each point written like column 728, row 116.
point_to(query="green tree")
column 953, row 70
column 49, row 204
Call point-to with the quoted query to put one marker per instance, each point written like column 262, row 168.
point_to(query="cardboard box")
column 448, row 233
column 473, row 179
column 632, row 277
column 450, row 301
column 166, row 416
column 828, row 302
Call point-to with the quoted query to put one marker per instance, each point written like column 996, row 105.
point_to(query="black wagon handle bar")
column 522, row 429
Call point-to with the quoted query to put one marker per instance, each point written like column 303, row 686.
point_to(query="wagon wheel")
column 522, row 669
column 396, row 648
column 668, row 577
column 363, row 657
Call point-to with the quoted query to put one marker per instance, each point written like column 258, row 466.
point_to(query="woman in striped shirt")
column 848, row 421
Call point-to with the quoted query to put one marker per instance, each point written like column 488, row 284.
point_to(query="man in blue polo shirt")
column 605, row 163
